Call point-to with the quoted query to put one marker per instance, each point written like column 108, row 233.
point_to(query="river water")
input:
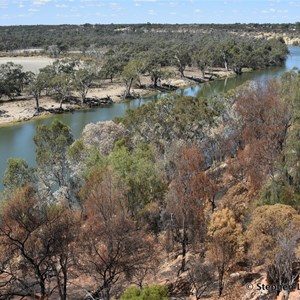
column 17, row 140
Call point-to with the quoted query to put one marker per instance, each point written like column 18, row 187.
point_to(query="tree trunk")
column 225, row 61
column 128, row 88
column 65, row 284
column 221, row 279
column 238, row 70
column 37, row 102
column 102, row 293
column 226, row 65
column 181, row 70
column 213, row 203
column 59, row 285
column 83, row 97
column 43, row 289
column 60, row 103
column 183, row 249
column 155, row 79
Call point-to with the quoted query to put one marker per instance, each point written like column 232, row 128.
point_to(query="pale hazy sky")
column 18, row 12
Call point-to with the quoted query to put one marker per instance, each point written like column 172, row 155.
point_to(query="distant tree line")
column 94, row 36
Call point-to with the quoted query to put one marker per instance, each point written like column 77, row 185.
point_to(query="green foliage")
column 131, row 73
column 154, row 292
column 285, row 188
column 173, row 118
column 52, row 145
column 58, row 38
column 139, row 172
column 36, row 85
column 182, row 57
column 17, row 174
column 83, row 81
column 112, row 66
column 76, row 150
column 12, row 79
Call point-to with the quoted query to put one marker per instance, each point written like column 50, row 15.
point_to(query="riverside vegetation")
column 205, row 184
column 131, row 55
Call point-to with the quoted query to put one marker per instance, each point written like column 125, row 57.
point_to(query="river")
column 17, row 140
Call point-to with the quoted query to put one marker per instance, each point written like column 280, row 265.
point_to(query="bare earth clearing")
column 24, row 109
column 32, row 64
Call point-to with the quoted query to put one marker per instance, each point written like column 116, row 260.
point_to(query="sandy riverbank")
column 24, row 110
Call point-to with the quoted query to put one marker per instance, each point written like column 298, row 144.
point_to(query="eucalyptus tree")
column 113, row 65
column 140, row 175
column 12, row 78
column 131, row 74
column 54, row 171
column 204, row 58
column 226, row 243
column 17, row 175
column 59, row 78
column 36, row 85
column 83, row 79
column 62, row 85
column 182, row 58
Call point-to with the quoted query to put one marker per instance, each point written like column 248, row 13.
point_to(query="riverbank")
column 21, row 110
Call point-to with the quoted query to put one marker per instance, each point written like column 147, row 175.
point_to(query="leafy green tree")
column 12, row 80
column 83, row 79
column 52, row 144
column 36, row 85
column 46, row 74
column 59, row 78
column 131, row 74
column 182, row 58
column 200, row 61
column 138, row 171
column 287, row 168
column 17, row 175
column 112, row 66
column 62, row 84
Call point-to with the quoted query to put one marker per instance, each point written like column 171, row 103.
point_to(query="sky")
column 32, row 12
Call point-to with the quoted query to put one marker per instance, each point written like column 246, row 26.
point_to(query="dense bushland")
column 89, row 37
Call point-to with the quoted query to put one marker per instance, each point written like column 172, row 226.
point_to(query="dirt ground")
column 32, row 64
